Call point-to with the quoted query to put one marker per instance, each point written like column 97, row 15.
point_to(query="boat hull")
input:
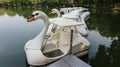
column 36, row 57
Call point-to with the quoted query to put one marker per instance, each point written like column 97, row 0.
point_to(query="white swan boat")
column 44, row 49
column 76, row 15
column 70, row 9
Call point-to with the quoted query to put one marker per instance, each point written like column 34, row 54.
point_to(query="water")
column 104, row 36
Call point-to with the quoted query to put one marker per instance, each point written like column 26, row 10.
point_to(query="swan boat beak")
column 50, row 13
column 31, row 19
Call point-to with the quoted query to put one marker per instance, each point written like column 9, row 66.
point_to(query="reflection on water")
column 104, row 36
column 14, row 33
column 107, row 57
column 96, row 39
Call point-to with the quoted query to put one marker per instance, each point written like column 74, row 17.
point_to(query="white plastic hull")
column 36, row 57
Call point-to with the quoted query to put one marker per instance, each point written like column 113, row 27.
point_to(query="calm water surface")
column 104, row 36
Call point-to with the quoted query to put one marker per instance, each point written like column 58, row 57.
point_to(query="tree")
column 35, row 1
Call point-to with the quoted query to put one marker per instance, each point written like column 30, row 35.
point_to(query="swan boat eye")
column 36, row 14
column 53, row 10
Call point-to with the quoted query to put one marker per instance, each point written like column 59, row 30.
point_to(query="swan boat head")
column 55, row 11
column 37, row 42
column 37, row 15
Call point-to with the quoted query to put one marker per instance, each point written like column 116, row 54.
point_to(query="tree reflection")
column 23, row 11
column 107, row 56
column 107, row 24
column 101, row 59
column 114, row 51
column 14, row 11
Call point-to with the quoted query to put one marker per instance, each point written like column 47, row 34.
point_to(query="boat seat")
column 51, row 50
column 49, row 47
column 60, row 38
column 55, row 38
column 53, row 53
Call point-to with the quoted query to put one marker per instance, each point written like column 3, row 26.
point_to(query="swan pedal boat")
column 77, row 15
column 44, row 49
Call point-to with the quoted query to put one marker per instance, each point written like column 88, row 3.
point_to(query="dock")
column 69, row 61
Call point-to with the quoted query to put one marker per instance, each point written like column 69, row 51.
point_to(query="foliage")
column 5, row 1
column 51, row 1
column 35, row 1
column 88, row 3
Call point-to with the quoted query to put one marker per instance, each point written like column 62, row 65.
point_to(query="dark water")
column 104, row 36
